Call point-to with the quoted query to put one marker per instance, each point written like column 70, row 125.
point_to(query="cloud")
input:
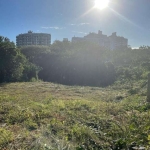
column 79, row 32
column 80, row 24
column 84, row 24
column 56, row 28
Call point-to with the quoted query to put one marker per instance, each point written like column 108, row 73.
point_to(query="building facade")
column 31, row 38
column 117, row 42
column 111, row 42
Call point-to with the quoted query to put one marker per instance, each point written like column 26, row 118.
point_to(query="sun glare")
column 101, row 4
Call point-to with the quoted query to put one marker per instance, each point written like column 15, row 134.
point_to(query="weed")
column 5, row 137
column 40, row 115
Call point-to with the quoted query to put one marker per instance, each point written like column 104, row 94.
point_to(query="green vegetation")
column 44, row 116
column 88, row 64
column 72, row 64
column 13, row 64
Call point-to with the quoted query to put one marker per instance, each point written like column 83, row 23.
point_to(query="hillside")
column 41, row 116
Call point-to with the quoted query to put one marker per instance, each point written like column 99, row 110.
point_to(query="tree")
column 12, row 62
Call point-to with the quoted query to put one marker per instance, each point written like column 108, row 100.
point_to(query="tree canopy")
column 13, row 64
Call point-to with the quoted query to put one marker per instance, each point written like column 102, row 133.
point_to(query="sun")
column 101, row 4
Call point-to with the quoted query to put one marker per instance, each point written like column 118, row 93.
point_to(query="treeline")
column 83, row 63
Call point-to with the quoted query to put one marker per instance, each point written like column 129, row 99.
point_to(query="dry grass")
column 44, row 115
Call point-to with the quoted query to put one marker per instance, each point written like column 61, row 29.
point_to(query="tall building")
column 111, row 42
column 31, row 38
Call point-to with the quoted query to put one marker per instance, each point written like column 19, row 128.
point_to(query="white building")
column 31, row 38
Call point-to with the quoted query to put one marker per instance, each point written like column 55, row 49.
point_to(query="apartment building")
column 31, row 38
column 111, row 42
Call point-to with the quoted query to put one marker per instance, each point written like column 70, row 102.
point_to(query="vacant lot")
column 44, row 116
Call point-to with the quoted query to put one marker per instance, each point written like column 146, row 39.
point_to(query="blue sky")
column 68, row 18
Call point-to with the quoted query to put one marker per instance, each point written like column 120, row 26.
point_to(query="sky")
column 69, row 18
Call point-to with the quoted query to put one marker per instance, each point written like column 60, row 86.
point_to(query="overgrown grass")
column 42, row 116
